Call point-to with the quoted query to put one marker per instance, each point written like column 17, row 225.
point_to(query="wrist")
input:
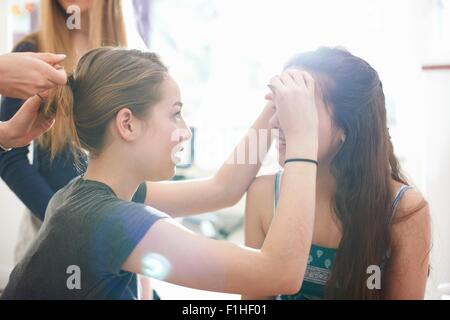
column 302, row 149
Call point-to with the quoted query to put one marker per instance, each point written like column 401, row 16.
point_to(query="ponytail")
column 63, row 134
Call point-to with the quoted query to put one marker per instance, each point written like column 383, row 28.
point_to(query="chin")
column 172, row 173
column 65, row 4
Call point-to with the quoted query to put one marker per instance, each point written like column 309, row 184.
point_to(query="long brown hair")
column 105, row 81
column 106, row 28
column 363, row 167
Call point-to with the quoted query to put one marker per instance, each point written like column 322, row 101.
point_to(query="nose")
column 186, row 132
column 181, row 134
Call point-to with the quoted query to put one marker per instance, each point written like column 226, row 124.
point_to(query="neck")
column 85, row 24
column 114, row 173
column 80, row 37
column 325, row 183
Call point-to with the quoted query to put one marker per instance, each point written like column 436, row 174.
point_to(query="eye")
column 177, row 115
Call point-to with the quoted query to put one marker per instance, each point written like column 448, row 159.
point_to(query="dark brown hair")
column 363, row 167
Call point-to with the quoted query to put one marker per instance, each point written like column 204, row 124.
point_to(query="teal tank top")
column 320, row 259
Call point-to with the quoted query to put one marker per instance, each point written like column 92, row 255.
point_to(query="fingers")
column 275, row 84
column 51, row 69
column 50, row 58
column 55, row 77
column 287, row 79
column 40, row 125
column 309, row 80
column 47, row 124
column 297, row 76
column 50, row 78
column 44, row 94
column 292, row 77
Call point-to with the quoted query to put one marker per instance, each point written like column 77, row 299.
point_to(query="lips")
column 176, row 158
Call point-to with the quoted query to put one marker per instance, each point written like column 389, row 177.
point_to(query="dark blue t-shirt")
column 87, row 228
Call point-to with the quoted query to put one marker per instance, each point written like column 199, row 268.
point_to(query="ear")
column 341, row 135
column 126, row 124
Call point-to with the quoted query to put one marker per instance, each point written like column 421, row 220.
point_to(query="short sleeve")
column 140, row 194
column 117, row 232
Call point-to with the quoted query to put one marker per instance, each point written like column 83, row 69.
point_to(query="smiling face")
column 165, row 131
column 330, row 136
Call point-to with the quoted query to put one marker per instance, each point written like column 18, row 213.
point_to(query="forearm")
column 146, row 291
column 289, row 237
column 281, row 263
column 246, row 297
column 224, row 189
column 241, row 167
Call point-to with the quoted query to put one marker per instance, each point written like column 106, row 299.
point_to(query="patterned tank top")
column 320, row 259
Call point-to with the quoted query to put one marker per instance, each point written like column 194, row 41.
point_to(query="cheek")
column 161, row 139
column 325, row 135
column 328, row 140
column 327, row 131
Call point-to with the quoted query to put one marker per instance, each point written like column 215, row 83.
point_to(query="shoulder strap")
column 398, row 197
column 276, row 194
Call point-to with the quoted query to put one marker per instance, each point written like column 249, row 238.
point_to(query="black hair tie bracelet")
column 301, row 160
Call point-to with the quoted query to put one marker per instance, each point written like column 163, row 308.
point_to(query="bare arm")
column 145, row 288
column 408, row 266
column 279, row 266
column 202, row 263
column 226, row 187
column 258, row 208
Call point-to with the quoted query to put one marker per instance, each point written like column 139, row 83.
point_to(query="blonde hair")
column 105, row 81
column 106, row 28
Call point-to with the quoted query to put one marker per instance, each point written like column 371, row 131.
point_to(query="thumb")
column 32, row 104
column 47, row 123
column 269, row 96
column 44, row 94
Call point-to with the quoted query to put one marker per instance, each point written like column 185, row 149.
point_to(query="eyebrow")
column 178, row 103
